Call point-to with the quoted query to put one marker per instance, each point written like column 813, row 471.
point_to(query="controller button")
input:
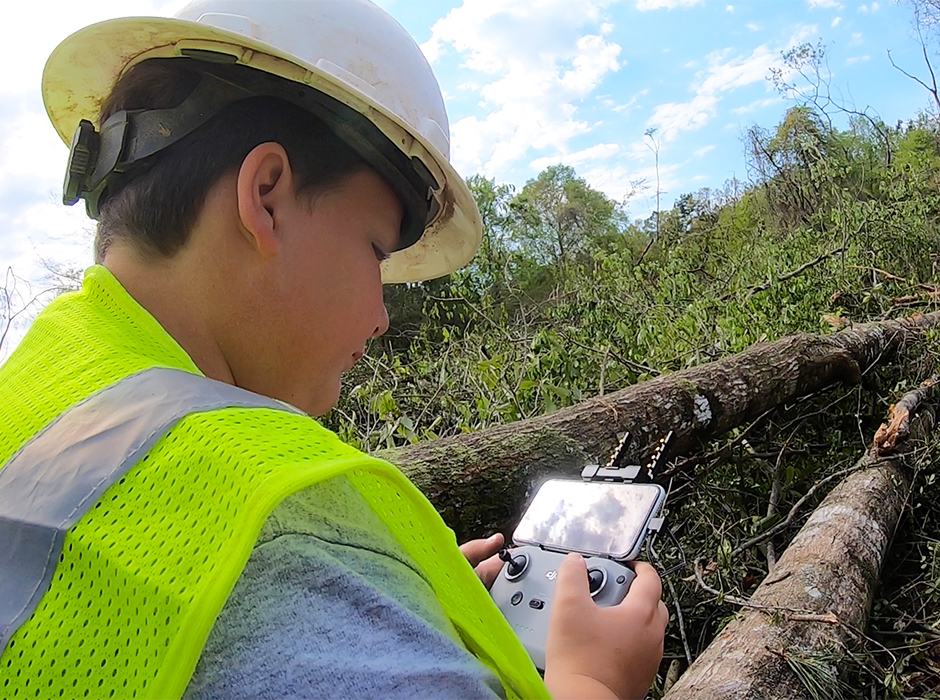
column 596, row 579
column 516, row 598
column 515, row 565
column 621, row 579
column 536, row 604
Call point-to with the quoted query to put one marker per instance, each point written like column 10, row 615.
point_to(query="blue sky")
column 694, row 70
column 528, row 83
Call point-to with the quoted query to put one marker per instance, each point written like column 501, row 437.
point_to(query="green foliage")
column 564, row 300
column 817, row 673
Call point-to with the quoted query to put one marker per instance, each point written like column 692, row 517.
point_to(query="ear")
column 264, row 185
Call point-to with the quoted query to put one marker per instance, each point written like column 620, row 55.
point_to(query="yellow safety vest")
column 143, row 574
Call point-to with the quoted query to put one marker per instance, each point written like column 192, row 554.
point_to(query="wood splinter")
column 898, row 427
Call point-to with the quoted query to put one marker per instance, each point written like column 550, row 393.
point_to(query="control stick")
column 516, row 564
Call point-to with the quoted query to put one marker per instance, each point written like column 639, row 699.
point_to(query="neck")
column 178, row 297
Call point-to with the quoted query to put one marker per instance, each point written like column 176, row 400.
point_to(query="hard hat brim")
column 82, row 70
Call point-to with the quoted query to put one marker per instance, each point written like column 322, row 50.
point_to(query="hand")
column 482, row 557
column 595, row 651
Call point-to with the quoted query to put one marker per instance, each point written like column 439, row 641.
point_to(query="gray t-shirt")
column 330, row 606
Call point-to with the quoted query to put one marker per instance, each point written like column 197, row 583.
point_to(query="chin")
column 322, row 401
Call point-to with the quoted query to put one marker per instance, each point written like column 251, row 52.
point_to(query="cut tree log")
column 479, row 481
column 809, row 609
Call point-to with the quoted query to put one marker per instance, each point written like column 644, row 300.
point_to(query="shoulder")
column 264, row 431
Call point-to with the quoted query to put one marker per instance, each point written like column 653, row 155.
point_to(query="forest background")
column 837, row 222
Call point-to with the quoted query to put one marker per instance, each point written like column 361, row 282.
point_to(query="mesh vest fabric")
column 143, row 576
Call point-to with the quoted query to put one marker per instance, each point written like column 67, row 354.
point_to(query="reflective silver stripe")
column 60, row 474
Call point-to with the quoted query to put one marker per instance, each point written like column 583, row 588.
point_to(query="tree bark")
column 809, row 608
column 479, row 481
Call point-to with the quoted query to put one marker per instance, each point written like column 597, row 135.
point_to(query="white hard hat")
column 350, row 50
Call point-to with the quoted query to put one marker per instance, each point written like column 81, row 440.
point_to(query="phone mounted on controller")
column 605, row 517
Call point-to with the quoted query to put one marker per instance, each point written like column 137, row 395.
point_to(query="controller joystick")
column 515, row 565
column 525, row 588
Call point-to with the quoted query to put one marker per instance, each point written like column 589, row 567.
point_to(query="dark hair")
column 158, row 204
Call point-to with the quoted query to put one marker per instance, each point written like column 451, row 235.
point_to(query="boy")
column 178, row 524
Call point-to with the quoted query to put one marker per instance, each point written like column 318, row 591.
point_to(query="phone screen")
column 591, row 517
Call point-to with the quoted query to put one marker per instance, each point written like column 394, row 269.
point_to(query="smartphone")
column 599, row 518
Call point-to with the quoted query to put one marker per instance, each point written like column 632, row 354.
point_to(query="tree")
column 784, row 162
column 493, row 201
column 807, row 80
column 558, row 214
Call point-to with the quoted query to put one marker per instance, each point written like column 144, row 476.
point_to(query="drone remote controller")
column 525, row 588
column 606, row 523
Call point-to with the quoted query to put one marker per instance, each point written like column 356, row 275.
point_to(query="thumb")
column 572, row 582
column 477, row 551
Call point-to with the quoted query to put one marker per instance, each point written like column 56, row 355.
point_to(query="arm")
column 310, row 618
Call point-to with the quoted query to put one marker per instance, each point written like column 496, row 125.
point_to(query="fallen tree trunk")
column 479, row 481
column 813, row 603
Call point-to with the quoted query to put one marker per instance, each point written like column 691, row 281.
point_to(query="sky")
column 527, row 84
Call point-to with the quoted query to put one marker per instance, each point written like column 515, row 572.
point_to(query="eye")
column 380, row 254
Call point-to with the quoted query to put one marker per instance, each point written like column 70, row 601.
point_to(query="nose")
column 383, row 322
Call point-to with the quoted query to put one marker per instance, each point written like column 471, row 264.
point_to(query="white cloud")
column 813, row 4
column 628, row 107
column 598, row 152
column 856, row 39
column 729, row 8
column 852, row 60
column 865, row 9
column 753, row 27
column 755, row 105
column 836, row 22
column 33, row 221
column 533, row 64
column 702, row 151
column 672, row 118
column 723, row 74
column 432, row 49
column 644, row 5
column 739, row 71
column 622, row 182
column 802, row 33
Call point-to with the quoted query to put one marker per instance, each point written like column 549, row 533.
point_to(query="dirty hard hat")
column 348, row 61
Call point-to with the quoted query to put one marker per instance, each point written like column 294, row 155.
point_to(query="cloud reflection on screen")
column 589, row 517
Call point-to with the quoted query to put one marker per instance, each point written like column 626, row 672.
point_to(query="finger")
column 647, row 586
column 488, row 570
column 477, row 550
column 572, row 581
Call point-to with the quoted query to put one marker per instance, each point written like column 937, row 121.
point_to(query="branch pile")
column 815, row 602
column 479, row 481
